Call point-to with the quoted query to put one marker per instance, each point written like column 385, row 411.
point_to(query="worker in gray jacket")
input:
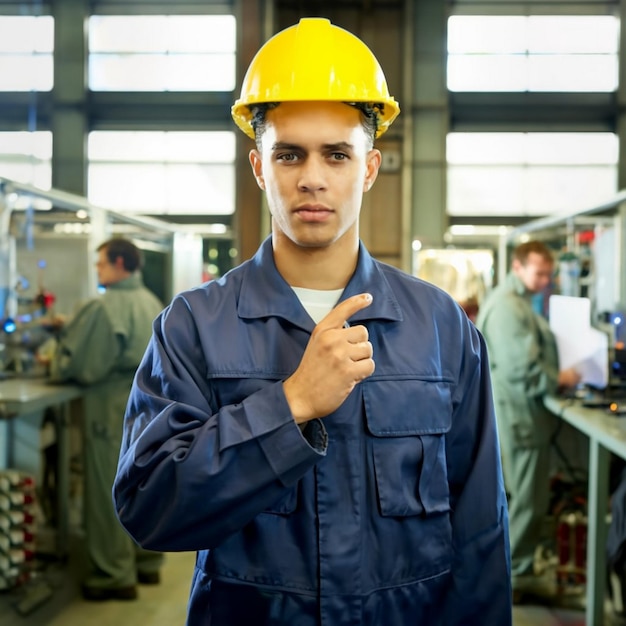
column 524, row 368
column 101, row 348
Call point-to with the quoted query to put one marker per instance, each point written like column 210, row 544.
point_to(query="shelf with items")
column 17, row 528
column 590, row 244
column 590, row 253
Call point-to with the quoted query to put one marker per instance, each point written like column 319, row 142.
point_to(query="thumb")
column 345, row 310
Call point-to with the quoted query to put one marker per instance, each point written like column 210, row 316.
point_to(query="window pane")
column 26, row 46
column 24, row 73
column 527, row 191
column 26, row 34
column 573, row 33
column 479, row 190
column 488, row 73
column 200, row 72
column 529, row 173
column 557, row 189
column 32, row 173
column 204, row 33
column 27, row 157
column 162, row 53
column 159, row 146
column 561, row 148
column 494, row 148
column 580, row 72
column 536, row 53
column 162, row 72
column 480, row 33
column 159, row 188
column 162, row 33
column 571, row 148
column 160, row 172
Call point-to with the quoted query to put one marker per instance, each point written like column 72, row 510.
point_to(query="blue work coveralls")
column 390, row 511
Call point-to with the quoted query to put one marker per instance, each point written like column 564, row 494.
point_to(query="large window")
column 529, row 174
column 161, row 172
column 162, row 53
column 536, row 53
column 27, row 157
column 26, row 47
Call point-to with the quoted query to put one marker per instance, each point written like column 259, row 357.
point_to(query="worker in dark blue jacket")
column 318, row 426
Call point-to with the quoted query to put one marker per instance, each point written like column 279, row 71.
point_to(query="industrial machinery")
column 48, row 241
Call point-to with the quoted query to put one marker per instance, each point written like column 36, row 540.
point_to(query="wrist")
column 298, row 408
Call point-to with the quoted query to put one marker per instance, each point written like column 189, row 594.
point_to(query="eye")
column 287, row 157
column 339, row 156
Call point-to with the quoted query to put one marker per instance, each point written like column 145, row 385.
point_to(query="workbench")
column 25, row 396
column 607, row 434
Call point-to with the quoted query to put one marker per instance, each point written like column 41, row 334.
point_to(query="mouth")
column 313, row 213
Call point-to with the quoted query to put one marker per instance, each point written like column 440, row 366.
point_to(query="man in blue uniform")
column 318, row 425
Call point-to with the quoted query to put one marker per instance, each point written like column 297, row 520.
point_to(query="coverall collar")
column 516, row 285
column 265, row 293
column 134, row 281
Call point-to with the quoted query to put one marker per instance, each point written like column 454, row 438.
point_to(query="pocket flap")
column 397, row 408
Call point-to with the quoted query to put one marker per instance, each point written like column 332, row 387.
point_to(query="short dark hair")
column 120, row 247
column 369, row 117
column 523, row 250
column 259, row 119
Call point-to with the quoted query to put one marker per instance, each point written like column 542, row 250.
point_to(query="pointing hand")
column 336, row 358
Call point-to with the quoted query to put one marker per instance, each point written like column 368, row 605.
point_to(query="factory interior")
column 115, row 121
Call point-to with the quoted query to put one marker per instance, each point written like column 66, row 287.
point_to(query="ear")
column 119, row 263
column 372, row 166
column 257, row 167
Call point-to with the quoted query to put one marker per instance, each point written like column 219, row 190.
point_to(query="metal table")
column 606, row 433
column 24, row 396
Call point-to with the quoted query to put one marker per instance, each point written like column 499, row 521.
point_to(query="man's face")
column 536, row 273
column 109, row 273
column 315, row 163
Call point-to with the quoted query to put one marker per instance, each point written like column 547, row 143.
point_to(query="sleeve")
column 480, row 592
column 518, row 349
column 192, row 472
column 87, row 348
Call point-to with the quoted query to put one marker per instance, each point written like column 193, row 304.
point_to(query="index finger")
column 345, row 310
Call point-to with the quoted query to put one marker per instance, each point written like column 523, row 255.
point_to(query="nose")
column 312, row 175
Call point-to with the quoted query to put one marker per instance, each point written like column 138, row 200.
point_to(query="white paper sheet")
column 579, row 344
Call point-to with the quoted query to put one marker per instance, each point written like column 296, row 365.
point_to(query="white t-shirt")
column 318, row 302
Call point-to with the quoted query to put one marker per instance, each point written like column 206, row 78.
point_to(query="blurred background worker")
column 101, row 348
column 525, row 367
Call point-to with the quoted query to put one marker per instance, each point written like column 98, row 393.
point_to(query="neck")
column 329, row 267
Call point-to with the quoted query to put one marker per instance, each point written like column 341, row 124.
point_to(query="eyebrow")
column 327, row 147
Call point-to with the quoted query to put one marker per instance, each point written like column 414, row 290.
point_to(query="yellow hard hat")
column 314, row 60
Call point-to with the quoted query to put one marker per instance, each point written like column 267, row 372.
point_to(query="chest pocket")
column 407, row 421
